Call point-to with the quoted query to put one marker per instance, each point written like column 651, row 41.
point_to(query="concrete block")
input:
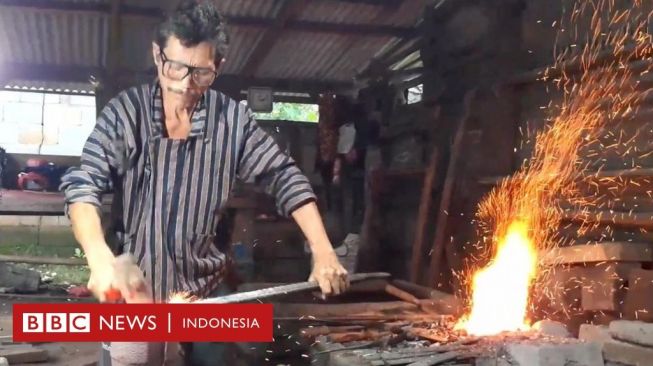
column 551, row 354
column 628, row 354
column 552, row 328
column 594, row 333
column 633, row 332
column 638, row 303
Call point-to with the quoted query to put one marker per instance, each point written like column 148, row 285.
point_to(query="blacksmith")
column 170, row 152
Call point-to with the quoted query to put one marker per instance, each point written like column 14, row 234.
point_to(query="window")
column 292, row 112
column 415, row 94
column 45, row 123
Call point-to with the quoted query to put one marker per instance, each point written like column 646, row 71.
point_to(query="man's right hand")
column 117, row 278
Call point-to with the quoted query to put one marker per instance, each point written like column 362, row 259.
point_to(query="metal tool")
column 283, row 290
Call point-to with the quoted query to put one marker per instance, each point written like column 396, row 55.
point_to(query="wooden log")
column 326, row 330
column 447, row 190
column 368, row 334
column 42, row 260
column 401, row 294
column 341, row 310
column 428, row 334
column 422, row 218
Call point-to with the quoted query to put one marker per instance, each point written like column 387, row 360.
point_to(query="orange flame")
column 501, row 289
column 599, row 92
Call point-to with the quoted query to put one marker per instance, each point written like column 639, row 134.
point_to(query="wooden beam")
column 422, row 218
column 83, row 7
column 68, row 73
column 287, row 10
column 278, row 84
column 324, row 27
column 243, row 21
column 447, row 191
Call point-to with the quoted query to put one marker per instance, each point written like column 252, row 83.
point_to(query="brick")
column 633, row 332
column 550, row 354
column 26, row 354
column 560, row 290
column 603, row 286
column 638, row 304
column 627, row 354
column 594, row 333
column 552, row 328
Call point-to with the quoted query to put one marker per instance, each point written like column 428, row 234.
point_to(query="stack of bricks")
column 598, row 283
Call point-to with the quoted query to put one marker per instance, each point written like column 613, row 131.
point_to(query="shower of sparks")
column 602, row 76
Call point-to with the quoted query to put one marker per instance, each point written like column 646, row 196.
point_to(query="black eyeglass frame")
column 190, row 69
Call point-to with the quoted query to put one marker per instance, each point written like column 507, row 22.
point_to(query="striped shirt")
column 168, row 193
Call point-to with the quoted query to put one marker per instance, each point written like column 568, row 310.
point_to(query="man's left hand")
column 329, row 274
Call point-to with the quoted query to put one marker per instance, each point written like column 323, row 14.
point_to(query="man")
column 171, row 151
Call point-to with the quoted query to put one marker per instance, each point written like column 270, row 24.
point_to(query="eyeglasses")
column 175, row 70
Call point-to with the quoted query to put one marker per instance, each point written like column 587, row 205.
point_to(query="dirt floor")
column 69, row 354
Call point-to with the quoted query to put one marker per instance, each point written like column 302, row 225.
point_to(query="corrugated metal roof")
column 63, row 38
column 48, row 86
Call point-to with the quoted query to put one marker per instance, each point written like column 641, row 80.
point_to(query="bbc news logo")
column 143, row 323
column 56, row 322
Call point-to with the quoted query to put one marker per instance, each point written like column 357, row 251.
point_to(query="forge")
column 548, row 343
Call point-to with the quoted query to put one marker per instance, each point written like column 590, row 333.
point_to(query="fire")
column 500, row 291
column 181, row 298
column 597, row 82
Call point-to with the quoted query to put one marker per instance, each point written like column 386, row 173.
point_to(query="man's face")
column 172, row 68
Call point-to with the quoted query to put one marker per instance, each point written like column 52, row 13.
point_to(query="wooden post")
column 447, row 190
column 422, row 218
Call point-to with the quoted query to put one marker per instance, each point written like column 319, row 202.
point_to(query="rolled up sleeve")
column 262, row 162
column 92, row 178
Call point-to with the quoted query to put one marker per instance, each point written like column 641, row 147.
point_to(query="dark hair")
column 193, row 22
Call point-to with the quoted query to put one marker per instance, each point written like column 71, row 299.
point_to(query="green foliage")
column 292, row 112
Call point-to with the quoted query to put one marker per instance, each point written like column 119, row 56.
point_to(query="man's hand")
column 329, row 274
column 117, row 278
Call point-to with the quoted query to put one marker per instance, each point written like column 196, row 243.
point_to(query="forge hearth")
column 509, row 349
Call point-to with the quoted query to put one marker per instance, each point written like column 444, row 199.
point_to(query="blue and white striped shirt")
column 168, row 193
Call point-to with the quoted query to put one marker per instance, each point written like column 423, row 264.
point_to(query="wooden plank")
column 447, row 190
column 422, row 218
column 600, row 252
column 624, row 219
column 42, row 260
column 631, row 173
column 401, row 294
column 331, row 310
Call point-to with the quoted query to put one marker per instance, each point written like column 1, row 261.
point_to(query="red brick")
column 638, row 304
column 603, row 286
